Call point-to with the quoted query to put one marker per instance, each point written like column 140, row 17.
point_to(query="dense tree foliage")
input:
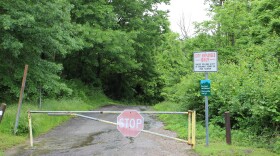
column 120, row 38
column 32, row 34
column 106, row 44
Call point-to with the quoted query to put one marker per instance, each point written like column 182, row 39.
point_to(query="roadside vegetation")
column 81, row 52
column 85, row 98
column 243, row 143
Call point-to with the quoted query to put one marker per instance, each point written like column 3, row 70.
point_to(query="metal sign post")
column 206, row 114
column 205, row 62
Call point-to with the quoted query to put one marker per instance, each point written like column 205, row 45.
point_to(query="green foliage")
column 170, row 61
column 249, row 91
column 31, row 34
column 107, row 44
column 88, row 94
column 119, row 41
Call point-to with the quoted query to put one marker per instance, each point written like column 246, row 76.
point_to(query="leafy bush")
column 249, row 90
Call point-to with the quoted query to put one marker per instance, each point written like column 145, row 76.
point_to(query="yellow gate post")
column 30, row 129
column 189, row 126
column 193, row 128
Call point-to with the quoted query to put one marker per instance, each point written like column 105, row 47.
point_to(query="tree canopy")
column 32, row 34
column 105, row 44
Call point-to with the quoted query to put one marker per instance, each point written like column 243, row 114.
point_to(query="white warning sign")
column 205, row 62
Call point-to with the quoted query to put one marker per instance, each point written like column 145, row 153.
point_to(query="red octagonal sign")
column 130, row 123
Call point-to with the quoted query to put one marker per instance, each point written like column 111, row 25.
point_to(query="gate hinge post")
column 193, row 128
column 30, row 128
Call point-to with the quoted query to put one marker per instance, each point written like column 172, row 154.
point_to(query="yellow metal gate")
column 191, row 122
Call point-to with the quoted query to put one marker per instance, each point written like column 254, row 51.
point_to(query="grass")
column 222, row 149
column 42, row 123
column 241, row 145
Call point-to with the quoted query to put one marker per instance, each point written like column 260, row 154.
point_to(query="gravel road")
column 84, row 137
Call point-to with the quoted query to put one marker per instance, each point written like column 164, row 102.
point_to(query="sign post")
column 205, row 62
column 206, row 114
column 130, row 123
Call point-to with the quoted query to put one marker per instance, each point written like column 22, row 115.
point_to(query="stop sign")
column 130, row 123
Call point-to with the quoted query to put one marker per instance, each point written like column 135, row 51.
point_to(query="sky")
column 192, row 10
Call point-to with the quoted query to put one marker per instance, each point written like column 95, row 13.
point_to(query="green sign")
column 205, row 87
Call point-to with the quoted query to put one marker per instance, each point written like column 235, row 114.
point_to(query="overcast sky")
column 192, row 10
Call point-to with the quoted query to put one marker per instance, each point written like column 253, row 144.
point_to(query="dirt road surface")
column 84, row 137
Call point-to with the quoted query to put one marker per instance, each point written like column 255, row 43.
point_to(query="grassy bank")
column 242, row 143
column 41, row 122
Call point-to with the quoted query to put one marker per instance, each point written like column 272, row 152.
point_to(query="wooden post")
column 2, row 111
column 20, row 97
column 228, row 127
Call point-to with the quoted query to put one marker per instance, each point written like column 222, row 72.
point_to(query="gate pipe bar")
column 108, row 112
column 95, row 119
column 165, row 136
